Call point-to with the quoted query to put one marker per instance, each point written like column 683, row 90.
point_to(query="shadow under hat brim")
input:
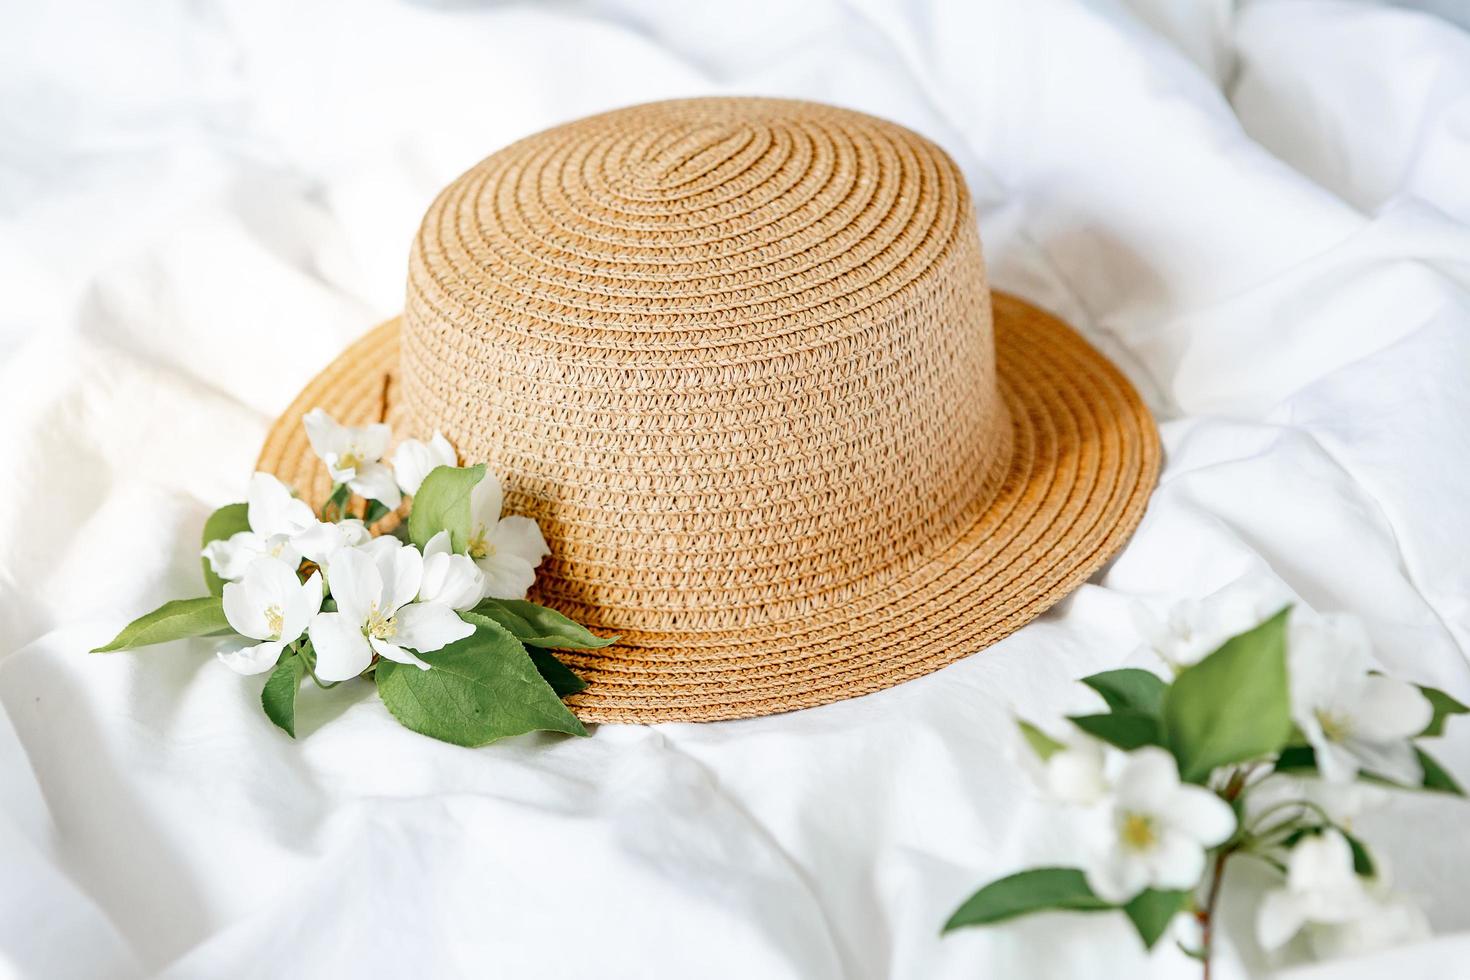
column 1086, row 456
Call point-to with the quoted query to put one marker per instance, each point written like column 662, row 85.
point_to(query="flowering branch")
column 429, row 606
column 1253, row 747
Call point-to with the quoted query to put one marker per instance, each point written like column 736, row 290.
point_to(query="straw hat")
column 739, row 359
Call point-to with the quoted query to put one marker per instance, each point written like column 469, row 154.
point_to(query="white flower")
column 1391, row 918
column 352, row 455
column 1342, row 912
column 376, row 588
column 321, row 542
column 1195, row 628
column 506, row 549
column 275, row 517
column 1157, row 829
column 1341, row 802
column 414, row 460
column 1321, row 886
column 270, row 604
column 1075, row 773
column 1352, row 719
column 452, row 579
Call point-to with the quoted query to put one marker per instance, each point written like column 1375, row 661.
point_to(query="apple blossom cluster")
column 409, row 564
column 1267, row 737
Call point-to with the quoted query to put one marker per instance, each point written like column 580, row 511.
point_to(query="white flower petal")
column 519, row 536
column 1176, row 862
column 244, row 616
column 1321, row 863
column 375, row 482
column 1280, row 916
column 268, row 584
column 371, row 441
column 485, row 503
column 1388, row 920
column 229, row 557
column 397, row 654
column 1148, row 780
column 1116, row 877
column 271, row 509
column 439, row 544
column 1327, row 659
column 443, row 452
column 430, row 626
column 1075, row 774
column 342, row 651
column 326, row 436
column 341, row 472
column 256, row 659
column 451, row 579
column 1389, row 709
column 464, row 586
column 401, row 567
column 507, row 576
column 320, row 541
column 356, row 585
column 1394, row 761
column 280, row 546
column 413, row 460
column 1335, row 761
column 1201, row 814
column 301, row 605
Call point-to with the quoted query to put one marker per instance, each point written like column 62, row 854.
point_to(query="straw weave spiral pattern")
column 739, row 360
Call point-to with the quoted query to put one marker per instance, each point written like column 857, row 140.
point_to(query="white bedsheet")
column 1263, row 215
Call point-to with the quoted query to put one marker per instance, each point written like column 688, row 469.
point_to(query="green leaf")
column 1152, row 910
column 479, row 689
column 1297, row 758
column 539, row 626
column 375, row 512
column 1435, row 777
column 176, row 620
column 1444, row 706
column 1233, row 705
column 1129, row 689
column 1362, row 860
column 561, row 678
column 229, row 519
column 1041, row 743
column 336, row 502
column 278, row 697
column 1037, row 890
column 443, row 504
column 1128, row 730
column 1301, row 760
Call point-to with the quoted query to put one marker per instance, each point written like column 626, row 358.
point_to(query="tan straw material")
column 739, row 359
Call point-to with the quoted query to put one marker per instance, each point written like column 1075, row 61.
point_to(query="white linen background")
column 1262, row 213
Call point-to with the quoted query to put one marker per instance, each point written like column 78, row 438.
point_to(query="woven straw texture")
column 739, row 359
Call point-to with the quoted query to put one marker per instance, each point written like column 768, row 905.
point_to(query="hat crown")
column 734, row 355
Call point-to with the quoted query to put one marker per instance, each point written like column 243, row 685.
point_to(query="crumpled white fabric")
column 1261, row 213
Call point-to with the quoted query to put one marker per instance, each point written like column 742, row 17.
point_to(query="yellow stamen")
column 479, row 547
column 1334, row 727
column 379, row 626
column 274, row 621
column 1138, row 832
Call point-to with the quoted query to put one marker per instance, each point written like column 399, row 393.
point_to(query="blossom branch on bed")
column 1262, row 745
column 410, row 576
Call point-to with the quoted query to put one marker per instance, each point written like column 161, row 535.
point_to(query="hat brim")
column 1086, row 456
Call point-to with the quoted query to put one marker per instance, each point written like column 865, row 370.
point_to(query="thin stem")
column 1275, row 808
column 1247, row 841
column 305, row 652
column 1207, row 914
